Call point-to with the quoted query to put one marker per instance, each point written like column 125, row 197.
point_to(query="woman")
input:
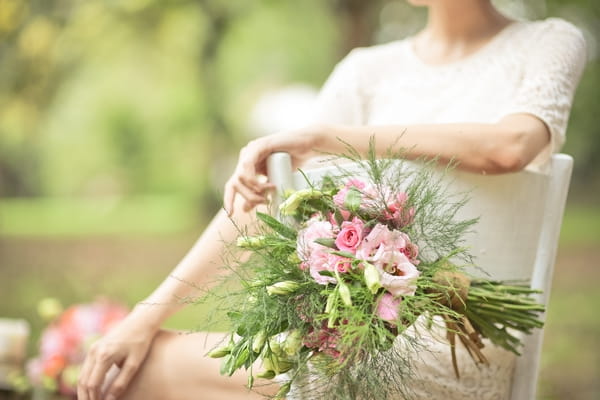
column 473, row 85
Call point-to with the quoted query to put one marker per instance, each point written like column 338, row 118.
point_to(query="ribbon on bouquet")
column 452, row 293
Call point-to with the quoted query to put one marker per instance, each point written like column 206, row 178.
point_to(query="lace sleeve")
column 555, row 61
column 340, row 100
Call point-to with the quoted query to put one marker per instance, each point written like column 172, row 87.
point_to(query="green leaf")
column 343, row 253
column 327, row 242
column 339, row 218
column 328, row 183
column 277, row 226
column 353, row 199
column 226, row 365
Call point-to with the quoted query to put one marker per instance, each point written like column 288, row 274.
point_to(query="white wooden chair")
column 516, row 237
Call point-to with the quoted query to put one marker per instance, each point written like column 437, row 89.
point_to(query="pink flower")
column 397, row 212
column 397, row 275
column 318, row 262
column 381, row 238
column 410, row 250
column 387, row 307
column 338, row 263
column 350, row 235
column 312, row 254
column 372, row 241
column 315, row 229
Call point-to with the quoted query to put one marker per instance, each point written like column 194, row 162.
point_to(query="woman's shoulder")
column 549, row 33
column 556, row 25
column 551, row 44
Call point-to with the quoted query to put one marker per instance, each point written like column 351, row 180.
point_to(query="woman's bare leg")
column 177, row 368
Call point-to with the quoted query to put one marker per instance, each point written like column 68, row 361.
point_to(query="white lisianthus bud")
column 289, row 206
column 259, row 341
column 345, row 294
column 251, row 242
column 219, row 352
column 293, row 342
column 372, row 278
column 268, row 374
column 284, row 287
column 330, row 302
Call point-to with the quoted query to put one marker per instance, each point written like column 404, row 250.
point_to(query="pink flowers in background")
column 366, row 235
column 64, row 343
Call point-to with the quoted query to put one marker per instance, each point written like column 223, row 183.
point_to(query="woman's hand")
column 301, row 144
column 125, row 346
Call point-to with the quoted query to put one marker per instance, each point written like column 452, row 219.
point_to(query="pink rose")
column 387, row 307
column 397, row 275
column 350, row 235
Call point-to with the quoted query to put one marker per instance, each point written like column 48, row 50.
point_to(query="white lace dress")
column 529, row 67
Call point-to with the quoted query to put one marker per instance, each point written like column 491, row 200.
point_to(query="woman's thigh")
column 177, row 368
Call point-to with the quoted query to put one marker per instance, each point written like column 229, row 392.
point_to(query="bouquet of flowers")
column 328, row 293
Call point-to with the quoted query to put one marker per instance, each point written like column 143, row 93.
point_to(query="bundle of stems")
column 499, row 311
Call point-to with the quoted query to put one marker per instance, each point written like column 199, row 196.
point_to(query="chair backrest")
column 516, row 238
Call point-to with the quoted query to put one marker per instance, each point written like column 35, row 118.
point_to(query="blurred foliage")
column 107, row 97
column 137, row 96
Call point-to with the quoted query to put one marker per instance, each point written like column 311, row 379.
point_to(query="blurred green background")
column 121, row 119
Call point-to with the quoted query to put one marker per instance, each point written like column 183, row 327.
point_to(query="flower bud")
column 345, row 294
column 276, row 364
column 281, row 288
column 372, row 278
column 219, row 352
column 268, row 374
column 251, row 242
column 291, row 204
column 293, row 342
column 330, row 302
column 259, row 341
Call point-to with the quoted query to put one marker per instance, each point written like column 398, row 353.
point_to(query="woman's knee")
column 177, row 368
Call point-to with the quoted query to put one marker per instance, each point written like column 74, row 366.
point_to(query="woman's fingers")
column 124, row 376
column 96, row 377
column 256, row 185
column 253, row 158
column 82, row 388
column 250, row 188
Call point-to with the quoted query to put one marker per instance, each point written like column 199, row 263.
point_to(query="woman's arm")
column 128, row 343
column 506, row 146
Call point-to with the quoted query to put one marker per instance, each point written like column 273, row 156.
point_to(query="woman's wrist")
column 149, row 315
